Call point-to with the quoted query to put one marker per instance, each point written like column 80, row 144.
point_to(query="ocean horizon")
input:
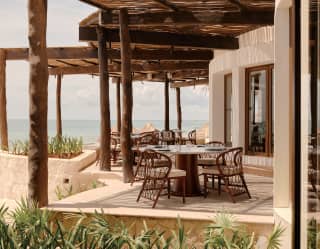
column 18, row 129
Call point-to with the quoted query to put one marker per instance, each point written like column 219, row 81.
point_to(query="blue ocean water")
column 88, row 129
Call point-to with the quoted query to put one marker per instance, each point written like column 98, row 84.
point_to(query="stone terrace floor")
column 117, row 197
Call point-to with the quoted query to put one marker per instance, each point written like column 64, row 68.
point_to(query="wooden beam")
column 164, row 38
column 58, row 106
column 189, row 83
column 166, row 105
column 238, row 4
column 38, row 103
column 55, row 53
column 171, row 55
column 179, row 112
column 118, row 100
column 95, row 4
column 160, row 76
column 3, row 103
column 127, row 98
column 176, row 19
column 146, row 67
column 83, row 53
column 167, row 4
column 105, row 129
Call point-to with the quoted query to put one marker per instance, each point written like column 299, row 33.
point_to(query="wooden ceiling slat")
column 163, row 38
column 192, row 19
column 146, row 67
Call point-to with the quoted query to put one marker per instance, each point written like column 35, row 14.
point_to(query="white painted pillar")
column 216, row 107
column 283, row 112
column 238, row 107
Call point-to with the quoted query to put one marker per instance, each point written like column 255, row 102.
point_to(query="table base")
column 187, row 162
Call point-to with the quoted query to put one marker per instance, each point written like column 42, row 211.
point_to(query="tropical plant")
column 58, row 146
column 64, row 192
column 30, row 227
column 225, row 233
column 20, row 147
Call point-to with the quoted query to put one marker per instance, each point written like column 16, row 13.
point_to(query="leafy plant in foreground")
column 34, row 228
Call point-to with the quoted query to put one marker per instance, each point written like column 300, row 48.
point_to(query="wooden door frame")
column 269, row 98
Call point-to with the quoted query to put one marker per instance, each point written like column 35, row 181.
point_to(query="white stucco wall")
column 14, row 174
column 256, row 48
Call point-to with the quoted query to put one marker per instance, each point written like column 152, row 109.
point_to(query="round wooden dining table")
column 186, row 157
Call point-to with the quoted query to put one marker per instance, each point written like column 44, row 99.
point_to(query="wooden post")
column 166, row 105
column 179, row 113
column 127, row 102
column 105, row 130
column 118, row 96
column 58, row 106
column 38, row 106
column 3, row 102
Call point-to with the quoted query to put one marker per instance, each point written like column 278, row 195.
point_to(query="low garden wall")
column 62, row 173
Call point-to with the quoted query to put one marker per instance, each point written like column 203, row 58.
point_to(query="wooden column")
column 179, row 113
column 105, row 130
column 118, row 96
column 3, row 103
column 127, row 102
column 166, row 105
column 38, row 103
column 58, row 106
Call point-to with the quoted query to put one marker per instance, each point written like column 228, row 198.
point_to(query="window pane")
column 313, row 167
column 228, row 109
column 257, row 111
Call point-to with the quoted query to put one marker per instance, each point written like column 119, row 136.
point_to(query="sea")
column 89, row 129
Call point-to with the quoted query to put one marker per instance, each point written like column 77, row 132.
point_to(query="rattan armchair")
column 155, row 169
column 229, row 172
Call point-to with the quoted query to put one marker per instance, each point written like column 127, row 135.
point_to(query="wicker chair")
column 155, row 169
column 229, row 172
column 314, row 173
column 209, row 159
column 114, row 150
column 192, row 137
column 167, row 137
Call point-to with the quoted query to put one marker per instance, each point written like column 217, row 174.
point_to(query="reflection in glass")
column 313, row 181
column 257, row 111
column 228, row 110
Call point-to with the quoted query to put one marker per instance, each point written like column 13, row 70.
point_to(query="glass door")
column 310, row 123
column 259, row 128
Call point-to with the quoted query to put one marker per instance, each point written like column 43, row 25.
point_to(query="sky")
column 80, row 93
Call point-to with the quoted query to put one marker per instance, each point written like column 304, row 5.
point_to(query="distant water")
column 89, row 129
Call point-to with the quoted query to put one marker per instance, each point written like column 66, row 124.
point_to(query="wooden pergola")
column 153, row 40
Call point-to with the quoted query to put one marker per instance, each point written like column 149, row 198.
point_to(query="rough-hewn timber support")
column 105, row 130
column 179, row 113
column 127, row 102
column 38, row 98
column 166, row 105
column 3, row 103
column 58, row 106
column 118, row 96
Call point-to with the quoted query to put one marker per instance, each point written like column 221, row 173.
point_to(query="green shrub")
column 31, row 228
column 313, row 234
column 58, row 146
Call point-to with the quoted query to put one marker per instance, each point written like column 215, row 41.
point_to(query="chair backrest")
column 145, row 139
column 157, row 165
column 114, row 142
column 192, row 135
column 215, row 143
column 167, row 134
column 230, row 161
